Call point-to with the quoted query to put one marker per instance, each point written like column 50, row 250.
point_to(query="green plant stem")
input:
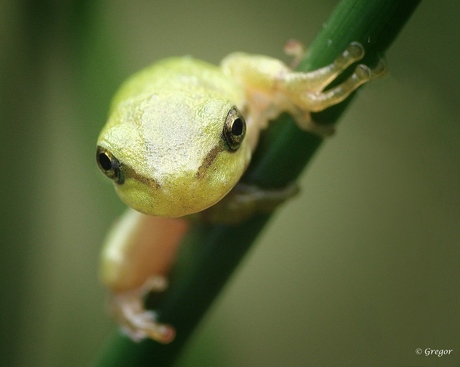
column 210, row 253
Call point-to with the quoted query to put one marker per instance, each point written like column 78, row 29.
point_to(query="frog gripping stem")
column 215, row 133
column 308, row 90
column 135, row 321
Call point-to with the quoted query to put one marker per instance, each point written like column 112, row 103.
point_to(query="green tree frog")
column 179, row 136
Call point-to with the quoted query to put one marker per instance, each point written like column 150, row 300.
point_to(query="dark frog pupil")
column 237, row 127
column 104, row 161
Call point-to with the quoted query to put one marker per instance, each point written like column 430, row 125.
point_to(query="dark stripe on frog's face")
column 117, row 171
column 207, row 161
column 131, row 173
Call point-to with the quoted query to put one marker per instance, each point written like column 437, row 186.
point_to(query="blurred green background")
column 361, row 269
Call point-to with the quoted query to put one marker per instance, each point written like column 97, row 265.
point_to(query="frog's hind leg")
column 135, row 321
column 138, row 253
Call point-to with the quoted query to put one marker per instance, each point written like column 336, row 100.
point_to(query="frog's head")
column 173, row 155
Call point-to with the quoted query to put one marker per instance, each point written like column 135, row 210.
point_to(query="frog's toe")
column 128, row 309
column 139, row 326
column 380, row 70
column 296, row 50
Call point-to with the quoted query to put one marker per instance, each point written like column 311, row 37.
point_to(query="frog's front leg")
column 272, row 87
column 138, row 253
column 245, row 201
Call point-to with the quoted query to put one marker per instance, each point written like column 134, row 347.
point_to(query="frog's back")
column 180, row 74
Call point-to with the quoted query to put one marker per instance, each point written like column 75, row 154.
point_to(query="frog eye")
column 109, row 165
column 234, row 129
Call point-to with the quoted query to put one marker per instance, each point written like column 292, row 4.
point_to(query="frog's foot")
column 135, row 321
column 306, row 90
column 294, row 82
column 318, row 101
column 315, row 102
column 245, row 201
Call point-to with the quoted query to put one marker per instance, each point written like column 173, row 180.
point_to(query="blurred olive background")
column 361, row 269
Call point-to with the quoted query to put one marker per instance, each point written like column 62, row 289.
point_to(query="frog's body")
column 179, row 136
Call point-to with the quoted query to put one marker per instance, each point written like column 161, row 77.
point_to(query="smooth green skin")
column 165, row 128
